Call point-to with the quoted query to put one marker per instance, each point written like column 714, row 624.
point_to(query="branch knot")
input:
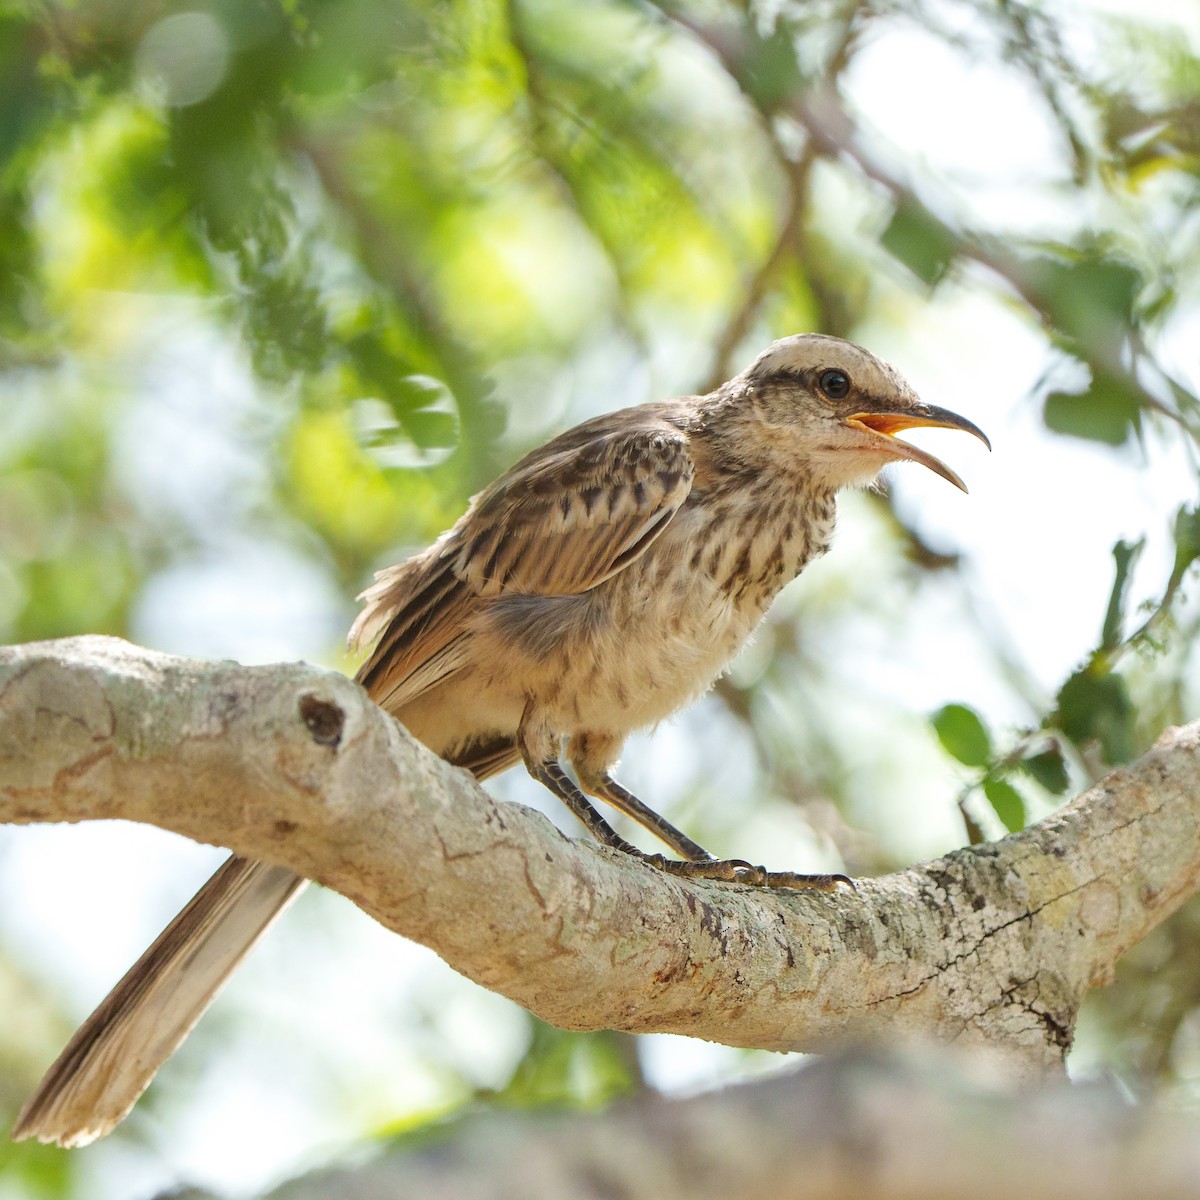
column 325, row 720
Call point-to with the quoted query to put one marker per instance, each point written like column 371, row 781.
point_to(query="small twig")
column 788, row 245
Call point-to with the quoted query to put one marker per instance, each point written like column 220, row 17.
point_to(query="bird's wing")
column 567, row 517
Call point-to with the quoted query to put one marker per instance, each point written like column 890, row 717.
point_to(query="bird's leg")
column 700, row 864
column 589, row 751
column 593, row 755
column 549, row 773
column 605, row 787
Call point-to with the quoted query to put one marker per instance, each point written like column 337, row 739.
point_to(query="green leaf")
column 431, row 429
column 1109, row 411
column 1095, row 706
column 924, row 244
column 1049, row 769
column 1125, row 554
column 1008, row 803
column 1090, row 296
column 1187, row 543
column 772, row 72
column 564, row 1067
column 963, row 734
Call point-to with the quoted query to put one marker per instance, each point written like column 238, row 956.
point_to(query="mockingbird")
column 596, row 587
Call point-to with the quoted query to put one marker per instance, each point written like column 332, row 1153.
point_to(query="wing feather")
column 566, row 518
column 562, row 523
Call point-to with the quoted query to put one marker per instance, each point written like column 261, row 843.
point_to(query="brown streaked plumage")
column 596, row 587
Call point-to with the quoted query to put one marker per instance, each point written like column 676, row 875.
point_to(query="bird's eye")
column 834, row 383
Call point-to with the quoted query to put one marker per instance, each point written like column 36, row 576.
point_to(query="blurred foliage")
column 579, row 1070
column 306, row 273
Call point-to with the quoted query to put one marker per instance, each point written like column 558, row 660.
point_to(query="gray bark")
column 993, row 946
column 916, row 1125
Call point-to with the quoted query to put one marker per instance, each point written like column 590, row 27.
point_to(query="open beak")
column 887, row 424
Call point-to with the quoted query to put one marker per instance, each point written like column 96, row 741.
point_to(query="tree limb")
column 920, row 1125
column 994, row 945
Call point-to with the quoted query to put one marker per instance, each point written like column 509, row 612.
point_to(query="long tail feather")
column 118, row 1050
column 115, row 1054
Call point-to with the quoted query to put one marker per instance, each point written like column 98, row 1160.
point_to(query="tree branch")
column 870, row 1125
column 994, row 945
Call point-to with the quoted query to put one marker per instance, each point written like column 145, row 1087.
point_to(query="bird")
column 599, row 585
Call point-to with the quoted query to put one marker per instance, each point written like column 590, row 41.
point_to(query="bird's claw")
column 738, row 870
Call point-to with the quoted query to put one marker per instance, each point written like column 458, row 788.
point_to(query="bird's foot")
column 737, row 870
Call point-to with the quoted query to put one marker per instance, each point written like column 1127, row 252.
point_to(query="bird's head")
column 836, row 408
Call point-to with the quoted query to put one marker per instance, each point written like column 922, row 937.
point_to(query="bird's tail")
column 118, row 1050
column 114, row 1055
